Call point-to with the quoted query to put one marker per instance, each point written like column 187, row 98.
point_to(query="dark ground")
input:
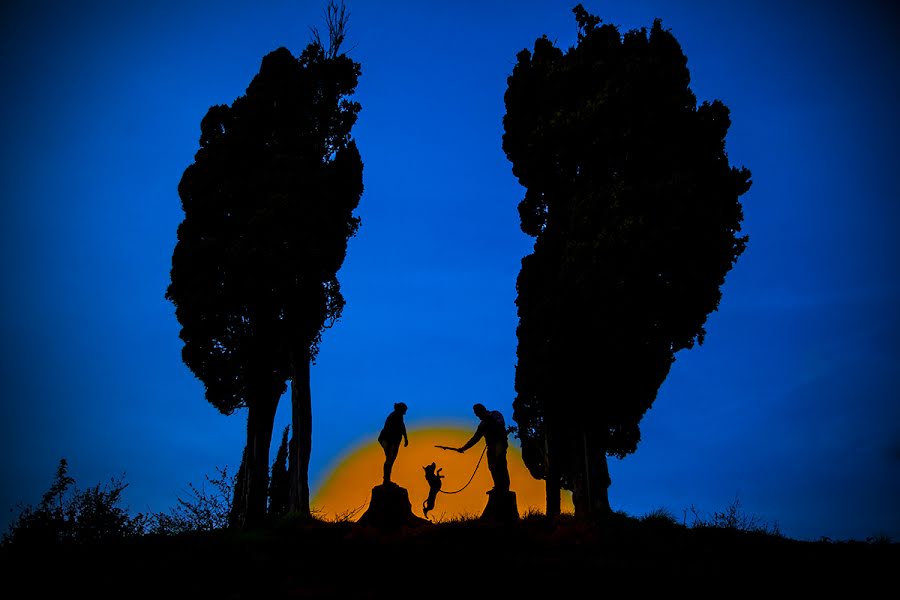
column 464, row 559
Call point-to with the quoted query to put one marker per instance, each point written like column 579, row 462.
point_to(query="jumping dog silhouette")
column 434, row 486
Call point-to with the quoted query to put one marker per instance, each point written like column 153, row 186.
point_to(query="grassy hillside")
column 463, row 558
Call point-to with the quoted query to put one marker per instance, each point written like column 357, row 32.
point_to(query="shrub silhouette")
column 67, row 515
column 202, row 510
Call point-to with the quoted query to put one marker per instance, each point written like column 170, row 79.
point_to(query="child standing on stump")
column 393, row 431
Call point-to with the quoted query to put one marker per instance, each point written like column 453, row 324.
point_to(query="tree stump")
column 501, row 507
column 390, row 508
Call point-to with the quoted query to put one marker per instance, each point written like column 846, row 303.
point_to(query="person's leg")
column 390, row 455
column 498, row 467
column 502, row 469
column 491, row 468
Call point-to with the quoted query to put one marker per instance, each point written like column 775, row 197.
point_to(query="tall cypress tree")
column 636, row 216
column 268, row 205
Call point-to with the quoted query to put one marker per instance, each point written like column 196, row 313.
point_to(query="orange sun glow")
column 346, row 490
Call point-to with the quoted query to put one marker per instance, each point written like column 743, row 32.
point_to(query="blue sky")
column 791, row 403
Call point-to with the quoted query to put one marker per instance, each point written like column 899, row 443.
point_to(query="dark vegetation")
column 268, row 211
column 636, row 216
column 83, row 542
column 635, row 213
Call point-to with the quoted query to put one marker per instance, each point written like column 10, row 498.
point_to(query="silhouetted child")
column 434, row 486
column 392, row 433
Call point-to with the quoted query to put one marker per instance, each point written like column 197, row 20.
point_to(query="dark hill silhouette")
column 466, row 558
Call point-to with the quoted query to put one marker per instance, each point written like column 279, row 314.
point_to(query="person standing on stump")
column 493, row 429
column 393, row 431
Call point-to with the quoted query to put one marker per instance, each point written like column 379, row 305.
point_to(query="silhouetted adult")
column 393, row 431
column 493, row 429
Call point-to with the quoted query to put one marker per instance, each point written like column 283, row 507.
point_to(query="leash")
column 473, row 472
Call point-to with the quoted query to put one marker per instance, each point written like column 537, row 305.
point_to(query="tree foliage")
column 636, row 216
column 266, row 204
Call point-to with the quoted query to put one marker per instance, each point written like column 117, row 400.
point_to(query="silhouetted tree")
column 636, row 215
column 238, row 510
column 278, row 482
column 328, row 187
column 268, row 208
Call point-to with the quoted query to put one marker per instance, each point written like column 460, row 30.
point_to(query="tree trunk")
column 579, row 480
column 260, row 422
column 596, row 476
column 239, row 495
column 551, row 475
column 599, row 482
column 591, row 493
column 301, row 444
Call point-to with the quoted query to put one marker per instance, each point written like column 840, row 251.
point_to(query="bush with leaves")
column 203, row 510
column 69, row 515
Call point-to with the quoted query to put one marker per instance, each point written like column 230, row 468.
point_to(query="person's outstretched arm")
column 479, row 433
